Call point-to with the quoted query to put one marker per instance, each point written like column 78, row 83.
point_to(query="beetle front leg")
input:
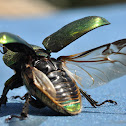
column 14, row 82
column 34, row 102
column 93, row 102
column 24, row 112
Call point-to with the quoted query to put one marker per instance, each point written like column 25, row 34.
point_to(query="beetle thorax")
column 47, row 65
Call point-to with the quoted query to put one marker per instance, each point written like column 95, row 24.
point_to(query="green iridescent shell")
column 40, row 51
column 72, row 31
column 13, row 59
column 15, row 43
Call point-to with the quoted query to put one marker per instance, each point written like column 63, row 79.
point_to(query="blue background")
column 34, row 30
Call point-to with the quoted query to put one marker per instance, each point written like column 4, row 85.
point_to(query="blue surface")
column 34, row 31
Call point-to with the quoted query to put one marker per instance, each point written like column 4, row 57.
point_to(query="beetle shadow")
column 37, row 116
column 101, row 112
column 30, row 121
column 16, row 108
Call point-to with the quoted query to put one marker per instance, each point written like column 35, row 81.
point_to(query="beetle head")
column 13, row 59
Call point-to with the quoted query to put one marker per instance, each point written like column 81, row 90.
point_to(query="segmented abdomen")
column 67, row 92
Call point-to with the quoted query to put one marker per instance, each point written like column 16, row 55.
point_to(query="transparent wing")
column 97, row 66
column 42, row 81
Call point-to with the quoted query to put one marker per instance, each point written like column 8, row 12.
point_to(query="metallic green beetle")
column 53, row 82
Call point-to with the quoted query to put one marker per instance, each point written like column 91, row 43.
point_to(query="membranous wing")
column 97, row 66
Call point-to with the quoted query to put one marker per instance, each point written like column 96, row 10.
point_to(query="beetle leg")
column 26, row 106
column 110, row 101
column 24, row 112
column 14, row 82
column 93, row 102
column 22, row 98
column 88, row 97
column 34, row 102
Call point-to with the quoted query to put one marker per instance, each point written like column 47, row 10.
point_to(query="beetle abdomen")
column 67, row 92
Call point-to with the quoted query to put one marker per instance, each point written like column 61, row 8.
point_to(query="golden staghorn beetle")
column 54, row 82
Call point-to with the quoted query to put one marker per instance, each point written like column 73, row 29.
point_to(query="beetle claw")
column 22, row 98
column 15, row 97
column 110, row 101
column 21, row 117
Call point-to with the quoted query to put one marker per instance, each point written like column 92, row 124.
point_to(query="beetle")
column 54, row 82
